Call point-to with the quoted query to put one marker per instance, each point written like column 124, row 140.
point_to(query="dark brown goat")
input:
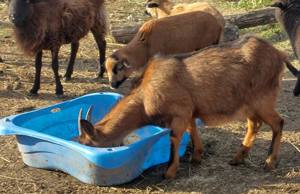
column 288, row 15
column 223, row 83
column 47, row 25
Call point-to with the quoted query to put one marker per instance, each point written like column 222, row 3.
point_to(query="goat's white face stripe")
column 116, row 76
column 110, row 64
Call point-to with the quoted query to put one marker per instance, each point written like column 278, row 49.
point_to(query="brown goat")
column 170, row 35
column 164, row 8
column 223, row 83
column 288, row 15
column 47, row 25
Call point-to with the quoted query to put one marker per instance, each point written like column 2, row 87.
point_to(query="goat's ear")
column 280, row 5
column 142, row 37
column 118, row 67
column 86, row 128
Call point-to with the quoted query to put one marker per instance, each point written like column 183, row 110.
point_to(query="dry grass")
column 213, row 175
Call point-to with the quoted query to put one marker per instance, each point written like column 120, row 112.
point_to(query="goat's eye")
column 119, row 66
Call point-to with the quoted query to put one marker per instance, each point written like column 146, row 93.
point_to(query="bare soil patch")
column 213, row 175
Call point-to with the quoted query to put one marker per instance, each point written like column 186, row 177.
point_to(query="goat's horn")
column 89, row 114
column 79, row 124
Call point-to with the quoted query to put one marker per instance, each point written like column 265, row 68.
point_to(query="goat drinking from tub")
column 223, row 83
column 47, row 25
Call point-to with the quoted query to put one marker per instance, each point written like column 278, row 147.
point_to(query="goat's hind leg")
column 37, row 80
column 178, row 127
column 254, row 123
column 276, row 123
column 74, row 49
column 196, row 141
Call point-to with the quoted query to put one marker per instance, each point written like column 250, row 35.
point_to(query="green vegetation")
column 5, row 32
column 271, row 32
column 247, row 4
column 253, row 4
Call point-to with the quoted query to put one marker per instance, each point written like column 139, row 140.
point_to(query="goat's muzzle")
column 116, row 84
column 147, row 13
column 152, row 5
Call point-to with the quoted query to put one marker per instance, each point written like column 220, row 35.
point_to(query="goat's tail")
column 291, row 68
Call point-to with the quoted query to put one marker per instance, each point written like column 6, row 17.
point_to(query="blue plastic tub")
column 45, row 136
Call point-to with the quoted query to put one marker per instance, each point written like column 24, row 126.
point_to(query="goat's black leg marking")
column 59, row 87
column 101, row 43
column 102, row 57
column 74, row 49
column 38, row 68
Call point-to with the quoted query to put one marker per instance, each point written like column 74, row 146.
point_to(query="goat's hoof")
column 196, row 158
column 195, row 162
column 67, row 78
column 33, row 94
column 170, row 175
column 100, row 75
column 269, row 166
column 60, row 96
column 171, row 172
column 236, row 162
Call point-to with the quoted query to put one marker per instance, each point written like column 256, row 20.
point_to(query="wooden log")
column 252, row 18
column 125, row 34
column 244, row 20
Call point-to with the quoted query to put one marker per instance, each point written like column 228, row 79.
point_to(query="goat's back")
column 218, row 82
column 72, row 21
column 180, row 33
column 247, row 68
column 199, row 6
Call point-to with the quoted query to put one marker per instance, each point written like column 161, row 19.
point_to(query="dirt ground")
column 213, row 175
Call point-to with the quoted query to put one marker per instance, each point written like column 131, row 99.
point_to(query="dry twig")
column 6, row 160
column 294, row 146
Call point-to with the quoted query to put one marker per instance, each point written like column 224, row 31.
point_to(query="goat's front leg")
column 74, row 49
column 38, row 68
column 254, row 124
column 101, row 43
column 196, row 141
column 59, row 87
column 178, row 127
